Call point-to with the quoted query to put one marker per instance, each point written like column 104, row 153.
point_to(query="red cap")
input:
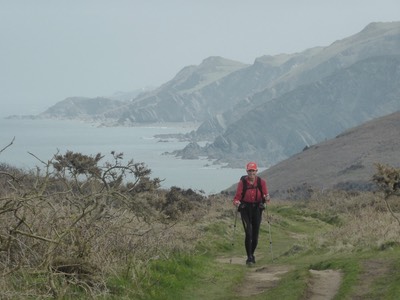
column 251, row 166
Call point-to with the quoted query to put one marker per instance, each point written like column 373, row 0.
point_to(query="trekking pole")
column 234, row 231
column 269, row 230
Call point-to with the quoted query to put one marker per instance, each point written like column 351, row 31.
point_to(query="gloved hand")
column 236, row 202
column 267, row 198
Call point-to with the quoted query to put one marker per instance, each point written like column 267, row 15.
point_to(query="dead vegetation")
column 68, row 226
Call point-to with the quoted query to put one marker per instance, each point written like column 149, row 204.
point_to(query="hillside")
column 345, row 162
column 277, row 75
column 180, row 99
column 321, row 93
column 311, row 113
column 80, row 108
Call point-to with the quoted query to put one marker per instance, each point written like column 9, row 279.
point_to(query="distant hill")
column 305, row 98
column 344, row 162
column 181, row 99
column 81, row 108
column 272, row 109
column 311, row 113
column 272, row 76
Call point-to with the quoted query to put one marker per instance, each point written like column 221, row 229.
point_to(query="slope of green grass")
column 295, row 232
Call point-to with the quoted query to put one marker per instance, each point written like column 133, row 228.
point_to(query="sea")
column 39, row 140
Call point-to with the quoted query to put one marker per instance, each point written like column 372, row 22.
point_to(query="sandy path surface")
column 261, row 279
column 324, row 284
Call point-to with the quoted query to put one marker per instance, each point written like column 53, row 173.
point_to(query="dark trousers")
column 251, row 219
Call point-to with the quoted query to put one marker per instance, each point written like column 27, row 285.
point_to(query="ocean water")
column 44, row 138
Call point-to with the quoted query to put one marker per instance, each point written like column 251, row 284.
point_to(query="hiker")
column 250, row 198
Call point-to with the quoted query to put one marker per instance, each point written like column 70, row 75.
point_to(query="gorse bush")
column 388, row 180
column 75, row 221
column 179, row 201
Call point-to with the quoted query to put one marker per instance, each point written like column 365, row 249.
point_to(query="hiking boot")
column 249, row 260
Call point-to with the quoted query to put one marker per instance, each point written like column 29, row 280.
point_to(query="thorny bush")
column 388, row 180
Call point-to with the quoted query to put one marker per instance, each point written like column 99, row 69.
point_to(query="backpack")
column 243, row 179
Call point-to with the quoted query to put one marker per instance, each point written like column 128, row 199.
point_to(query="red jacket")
column 252, row 192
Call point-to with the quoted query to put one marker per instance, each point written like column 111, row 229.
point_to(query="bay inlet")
column 44, row 138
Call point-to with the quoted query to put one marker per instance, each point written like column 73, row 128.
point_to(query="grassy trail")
column 369, row 274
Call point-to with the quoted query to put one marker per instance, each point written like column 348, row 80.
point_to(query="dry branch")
column 12, row 142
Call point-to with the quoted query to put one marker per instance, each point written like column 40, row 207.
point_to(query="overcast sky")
column 51, row 50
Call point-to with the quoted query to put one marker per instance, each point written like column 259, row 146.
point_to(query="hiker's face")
column 252, row 173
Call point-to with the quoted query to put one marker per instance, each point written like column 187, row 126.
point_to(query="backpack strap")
column 244, row 181
column 244, row 184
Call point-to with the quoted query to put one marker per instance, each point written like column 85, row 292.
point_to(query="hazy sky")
column 51, row 50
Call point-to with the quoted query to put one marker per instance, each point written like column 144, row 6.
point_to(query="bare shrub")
column 70, row 225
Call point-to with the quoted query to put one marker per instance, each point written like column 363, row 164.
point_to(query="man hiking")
column 251, row 195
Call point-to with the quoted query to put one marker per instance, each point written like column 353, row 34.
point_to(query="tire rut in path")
column 261, row 279
column 373, row 269
column 324, row 284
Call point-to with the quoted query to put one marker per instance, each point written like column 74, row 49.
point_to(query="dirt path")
column 323, row 284
column 258, row 280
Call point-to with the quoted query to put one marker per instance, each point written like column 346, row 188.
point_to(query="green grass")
column 163, row 279
column 391, row 282
column 214, row 280
column 294, row 232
